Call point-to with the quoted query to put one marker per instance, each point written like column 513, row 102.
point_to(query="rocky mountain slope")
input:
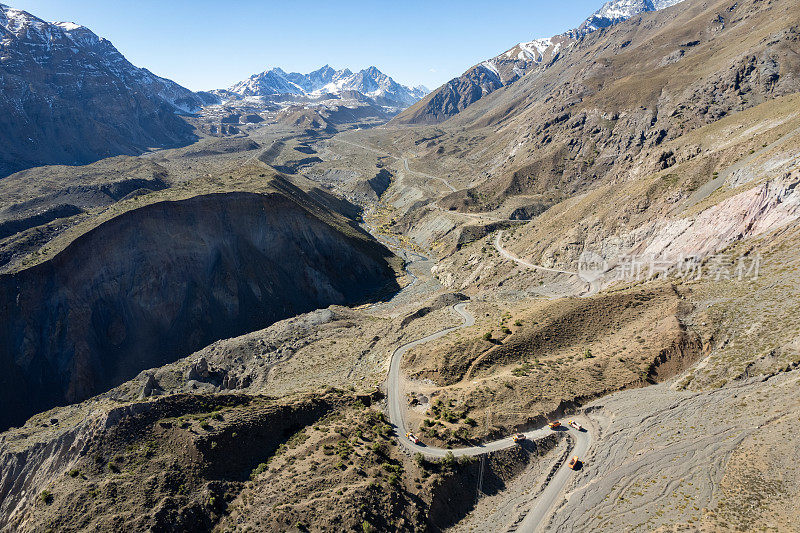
column 605, row 111
column 508, row 67
column 172, row 277
column 70, row 97
column 656, row 144
column 617, row 11
column 668, row 146
column 665, row 147
column 327, row 81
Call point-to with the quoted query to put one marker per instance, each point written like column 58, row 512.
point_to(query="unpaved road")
column 478, row 216
column 707, row 189
column 404, row 159
column 397, row 407
column 447, row 183
column 662, row 453
column 547, row 500
column 593, row 286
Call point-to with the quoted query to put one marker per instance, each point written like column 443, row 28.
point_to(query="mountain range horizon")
column 595, row 21
column 557, row 292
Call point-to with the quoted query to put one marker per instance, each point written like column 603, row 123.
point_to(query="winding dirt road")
column 404, row 159
column 447, row 183
column 397, row 408
column 593, row 286
column 546, row 501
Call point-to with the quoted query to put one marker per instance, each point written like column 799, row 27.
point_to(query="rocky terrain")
column 73, row 328
column 322, row 102
column 534, row 148
column 543, row 358
column 719, row 461
column 70, row 97
column 506, row 68
column 227, row 336
column 370, row 83
column 298, row 463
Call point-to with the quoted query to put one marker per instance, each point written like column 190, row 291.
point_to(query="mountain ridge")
column 509, row 66
column 370, row 82
column 63, row 77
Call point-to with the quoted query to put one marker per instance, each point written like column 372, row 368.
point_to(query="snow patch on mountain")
column 508, row 67
column 617, row 11
column 527, row 55
column 68, row 96
column 370, row 82
column 489, row 65
column 82, row 53
column 68, row 26
column 530, row 51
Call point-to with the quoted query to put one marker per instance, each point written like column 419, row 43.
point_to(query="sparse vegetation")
column 46, row 496
column 597, row 171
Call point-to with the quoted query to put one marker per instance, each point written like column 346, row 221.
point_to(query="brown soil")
column 234, row 462
column 556, row 357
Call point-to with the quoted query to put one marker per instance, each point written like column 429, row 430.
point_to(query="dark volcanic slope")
column 69, row 97
column 162, row 281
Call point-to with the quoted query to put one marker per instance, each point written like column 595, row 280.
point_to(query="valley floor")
column 689, row 426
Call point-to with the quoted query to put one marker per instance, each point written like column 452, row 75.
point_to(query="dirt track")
column 579, row 443
column 661, row 453
column 657, row 458
column 592, row 287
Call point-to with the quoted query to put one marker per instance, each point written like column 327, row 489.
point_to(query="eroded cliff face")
column 164, row 280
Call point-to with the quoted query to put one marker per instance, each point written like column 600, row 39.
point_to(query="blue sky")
column 206, row 45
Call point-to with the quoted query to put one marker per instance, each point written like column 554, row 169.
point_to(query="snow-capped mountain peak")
column 21, row 23
column 506, row 68
column 515, row 62
column 29, row 28
column 326, row 80
column 618, row 10
column 63, row 74
column 82, row 53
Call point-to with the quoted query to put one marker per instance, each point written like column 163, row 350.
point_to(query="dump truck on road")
column 575, row 425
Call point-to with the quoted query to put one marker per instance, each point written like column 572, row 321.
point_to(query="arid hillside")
column 308, row 321
column 604, row 109
column 163, row 279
